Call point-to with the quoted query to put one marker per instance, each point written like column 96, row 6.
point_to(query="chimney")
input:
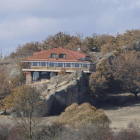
column 42, row 49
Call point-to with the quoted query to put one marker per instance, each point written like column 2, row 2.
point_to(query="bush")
column 128, row 134
column 7, row 132
column 4, row 131
column 62, row 72
column 75, row 115
column 51, row 132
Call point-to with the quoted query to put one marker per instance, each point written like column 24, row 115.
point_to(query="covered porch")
column 36, row 76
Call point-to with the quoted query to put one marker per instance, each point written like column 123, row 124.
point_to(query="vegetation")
column 62, row 72
column 120, row 73
column 28, row 106
column 7, row 83
column 104, row 43
column 77, row 116
column 60, row 132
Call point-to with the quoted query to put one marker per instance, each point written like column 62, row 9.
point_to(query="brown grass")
column 122, row 116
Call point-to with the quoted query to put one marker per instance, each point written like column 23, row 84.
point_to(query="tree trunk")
column 30, row 127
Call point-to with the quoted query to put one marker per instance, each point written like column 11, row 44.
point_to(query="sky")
column 23, row 21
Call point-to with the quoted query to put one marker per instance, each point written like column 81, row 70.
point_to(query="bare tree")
column 28, row 106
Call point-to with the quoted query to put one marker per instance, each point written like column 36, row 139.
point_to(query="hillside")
column 114, row 87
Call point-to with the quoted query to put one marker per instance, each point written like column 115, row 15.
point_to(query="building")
column 47, row 63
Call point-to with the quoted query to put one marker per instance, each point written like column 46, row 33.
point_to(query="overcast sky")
column 23, row 21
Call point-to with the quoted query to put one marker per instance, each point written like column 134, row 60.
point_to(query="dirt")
column 122, row 116
column 6, row 120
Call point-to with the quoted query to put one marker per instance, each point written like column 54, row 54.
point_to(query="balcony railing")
column 90, row 67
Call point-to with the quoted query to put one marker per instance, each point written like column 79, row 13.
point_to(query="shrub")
column 62, row 72
column 128, row 134
column 50, row 132
column 8, row 132
column 4, row 131
column 75, row 115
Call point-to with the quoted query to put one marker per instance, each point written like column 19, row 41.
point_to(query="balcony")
column 56, row 67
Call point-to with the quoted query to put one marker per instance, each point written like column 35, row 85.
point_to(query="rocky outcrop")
column 62, row 91
column 109, row 55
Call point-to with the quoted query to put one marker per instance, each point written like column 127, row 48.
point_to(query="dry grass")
column 122, row 116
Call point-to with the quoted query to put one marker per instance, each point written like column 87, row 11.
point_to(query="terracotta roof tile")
column 46, row 55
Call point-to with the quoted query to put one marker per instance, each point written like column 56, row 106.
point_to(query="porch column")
column 29, row 77
column 40, row 75
column 48, row 75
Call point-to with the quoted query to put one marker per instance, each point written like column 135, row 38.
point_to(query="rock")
column 12, row 115
column 9, row 111
column 62, row 91
column 1, row 112
column 109, row 55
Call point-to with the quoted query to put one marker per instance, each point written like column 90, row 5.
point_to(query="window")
column 43, row 64
column 60, row 65
column 34, row 63
column 68, row 65
column 35, row 76
column 44, row 75
column 62, row 56
column 53, row 55
column 85, row 65
column 76, row 64
column 38, row 63
column 88, row 58
column 51, row 64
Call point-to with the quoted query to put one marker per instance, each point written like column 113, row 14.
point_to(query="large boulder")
column 64, row 90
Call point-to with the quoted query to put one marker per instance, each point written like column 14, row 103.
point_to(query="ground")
column 120, row 115
column 45, row 121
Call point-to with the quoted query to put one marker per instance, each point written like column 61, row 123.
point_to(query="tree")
column 97, row 83
column 108, row 48
column 26, row 102
column 122, row 72
column 87, row 44
column 100, row 80
column 126, row 69
column 60, row 40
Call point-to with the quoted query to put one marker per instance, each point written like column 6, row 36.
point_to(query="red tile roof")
column 71, row 56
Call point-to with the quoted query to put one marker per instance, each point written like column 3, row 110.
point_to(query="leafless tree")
column 28, row 106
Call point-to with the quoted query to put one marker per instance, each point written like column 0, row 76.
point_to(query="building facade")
column 45, row 64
